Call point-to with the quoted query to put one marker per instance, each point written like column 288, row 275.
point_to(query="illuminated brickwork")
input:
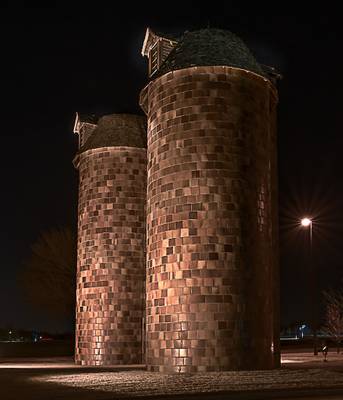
column 211, row 221
column 111, row 255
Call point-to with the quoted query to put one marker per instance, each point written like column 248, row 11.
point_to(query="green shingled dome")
column 210, row 47
column 118, row 130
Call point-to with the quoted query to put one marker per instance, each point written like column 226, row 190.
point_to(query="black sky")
column 55, row 61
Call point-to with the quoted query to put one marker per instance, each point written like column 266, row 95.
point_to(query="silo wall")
column 212, row 270
column 111, row 256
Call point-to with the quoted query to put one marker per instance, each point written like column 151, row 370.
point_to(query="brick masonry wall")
column 212, row 270
column 111, row 256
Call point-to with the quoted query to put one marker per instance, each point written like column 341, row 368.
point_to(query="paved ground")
column 302, row 375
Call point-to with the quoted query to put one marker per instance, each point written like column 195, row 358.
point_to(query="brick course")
column 212, row 275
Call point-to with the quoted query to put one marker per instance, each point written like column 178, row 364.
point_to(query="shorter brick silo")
column 111, row 242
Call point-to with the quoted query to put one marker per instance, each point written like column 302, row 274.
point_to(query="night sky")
column 56, row 61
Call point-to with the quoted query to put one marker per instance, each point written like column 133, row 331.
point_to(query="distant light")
column 306, row 222
column 10, row 332
column 40, row 337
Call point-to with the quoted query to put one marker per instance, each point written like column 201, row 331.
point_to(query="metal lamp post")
column 308, row 223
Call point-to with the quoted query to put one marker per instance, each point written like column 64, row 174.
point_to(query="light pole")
column 308, row 223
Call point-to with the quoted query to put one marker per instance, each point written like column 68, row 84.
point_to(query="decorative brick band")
column 111, row 256
column 212, row 273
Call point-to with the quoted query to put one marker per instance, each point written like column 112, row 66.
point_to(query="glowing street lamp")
column 307, row 223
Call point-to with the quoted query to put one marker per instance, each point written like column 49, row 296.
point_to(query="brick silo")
column 111, row 241
column 212, row 262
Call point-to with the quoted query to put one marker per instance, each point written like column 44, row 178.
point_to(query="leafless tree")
column 49, row 275
column 333, row 326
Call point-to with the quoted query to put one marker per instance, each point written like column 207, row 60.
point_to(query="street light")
column 308, row 223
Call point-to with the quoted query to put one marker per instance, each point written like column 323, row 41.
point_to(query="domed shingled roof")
column 210, row 47
column 118, row 130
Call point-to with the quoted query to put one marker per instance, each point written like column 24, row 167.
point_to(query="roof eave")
column 148, row 34
column 76, row 128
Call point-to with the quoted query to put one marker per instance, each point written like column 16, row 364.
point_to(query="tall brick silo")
column 212, row 262
column 111, row 240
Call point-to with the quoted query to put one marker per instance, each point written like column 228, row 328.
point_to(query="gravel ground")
column 142, row 383
column 302, row 373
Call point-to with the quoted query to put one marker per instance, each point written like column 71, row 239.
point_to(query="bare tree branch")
column 48, row 277
column 334, row 316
